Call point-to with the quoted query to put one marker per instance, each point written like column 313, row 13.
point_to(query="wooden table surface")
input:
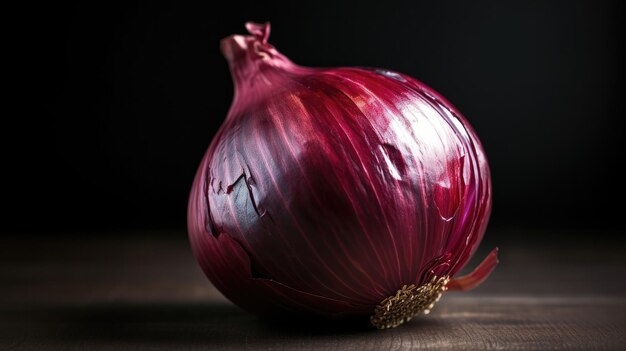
column 146, row 292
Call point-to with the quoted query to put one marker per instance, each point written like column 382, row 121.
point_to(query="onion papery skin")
column 326, row 190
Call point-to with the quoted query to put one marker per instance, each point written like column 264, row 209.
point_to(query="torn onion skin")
column 326, row 190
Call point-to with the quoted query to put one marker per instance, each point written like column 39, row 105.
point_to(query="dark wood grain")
column 147, row 293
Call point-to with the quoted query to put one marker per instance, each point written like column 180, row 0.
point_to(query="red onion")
column 337, row 191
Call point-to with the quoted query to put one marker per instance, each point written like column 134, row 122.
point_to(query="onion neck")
column 256, row 66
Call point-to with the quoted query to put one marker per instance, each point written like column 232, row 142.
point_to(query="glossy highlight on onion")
column 337, row 191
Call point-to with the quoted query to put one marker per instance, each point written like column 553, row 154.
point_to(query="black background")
column 117, row 103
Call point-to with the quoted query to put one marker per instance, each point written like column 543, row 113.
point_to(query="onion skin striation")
column 326, row 191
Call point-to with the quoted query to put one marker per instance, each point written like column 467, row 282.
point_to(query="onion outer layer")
column 337, row 192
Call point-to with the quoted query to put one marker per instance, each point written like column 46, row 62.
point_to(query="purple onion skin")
column 327, row 190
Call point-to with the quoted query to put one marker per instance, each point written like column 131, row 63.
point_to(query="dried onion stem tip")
column 408, row 302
